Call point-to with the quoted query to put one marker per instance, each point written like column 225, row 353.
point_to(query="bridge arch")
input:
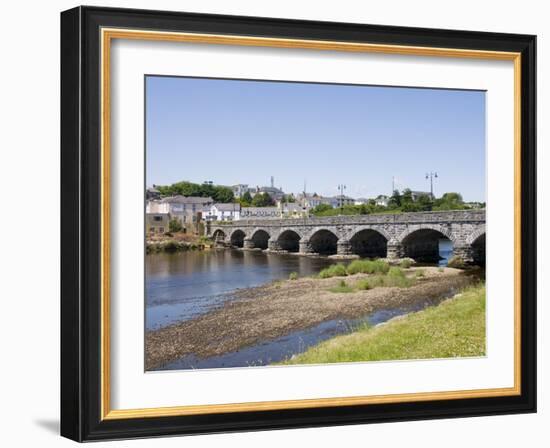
column 475, row 234
column 324, row 242
column 289, row 240
column 259, row 238
column 435, row 227
column 478, row 247
column 219, row 235
column 370, row 242
column 422, row 243
column 237, row 238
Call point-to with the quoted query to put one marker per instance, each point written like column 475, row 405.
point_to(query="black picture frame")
column 81, row 224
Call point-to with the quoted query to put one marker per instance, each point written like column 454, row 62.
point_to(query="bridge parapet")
column 388, row 218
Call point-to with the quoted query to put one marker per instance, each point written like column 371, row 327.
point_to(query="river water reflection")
column 184, row 285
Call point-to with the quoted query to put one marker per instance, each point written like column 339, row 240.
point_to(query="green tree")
column 395, row 200
column 246, row 198
column 216, row 192
column 262, row 200
column 321, row 208
column 410, row 206
column 449, row 201
column 406, row 196
column 425, row 202
column 222, row 194
column 288, row 198
column 174, row 225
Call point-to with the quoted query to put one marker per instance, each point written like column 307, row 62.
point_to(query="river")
column 183, row 285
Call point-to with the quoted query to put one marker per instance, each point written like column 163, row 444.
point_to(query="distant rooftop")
column 230, row 207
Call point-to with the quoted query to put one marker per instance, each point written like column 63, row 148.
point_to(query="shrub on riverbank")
column 336, row 270
column 172, row 246
column 367, row 267
column 293, row 276
column 406, row 263
column 455, row 328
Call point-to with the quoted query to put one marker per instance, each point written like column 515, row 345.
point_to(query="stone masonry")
column 398, row 235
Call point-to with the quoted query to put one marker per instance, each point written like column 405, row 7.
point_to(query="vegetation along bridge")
column 414, row 235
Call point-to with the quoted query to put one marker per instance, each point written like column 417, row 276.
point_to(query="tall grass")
column 367, row 267
column 394, row 278
column 355, row 267
column 336, row 270
column 381, row 274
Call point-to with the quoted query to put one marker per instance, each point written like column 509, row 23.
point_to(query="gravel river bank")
column 279, row 308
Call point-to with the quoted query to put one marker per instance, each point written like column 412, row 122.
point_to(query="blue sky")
column 233, row 131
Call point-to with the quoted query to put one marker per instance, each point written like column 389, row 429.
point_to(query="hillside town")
column 189, row 213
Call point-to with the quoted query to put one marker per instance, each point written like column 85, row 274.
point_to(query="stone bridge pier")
column 416, row 235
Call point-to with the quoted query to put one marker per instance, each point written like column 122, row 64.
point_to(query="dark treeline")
column 217, row 192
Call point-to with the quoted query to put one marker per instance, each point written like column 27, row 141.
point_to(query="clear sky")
column 233, row 131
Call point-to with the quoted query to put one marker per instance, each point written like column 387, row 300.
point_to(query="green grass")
column 355, row 267
column 394, row 277
column 455, row 328
column 293, row 276
column 336, row 270
column 378, row 281
column 367, row 267
column 406, row 263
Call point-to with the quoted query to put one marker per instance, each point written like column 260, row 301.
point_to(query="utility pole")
column 392, row 185
column 431, row 176
column 341, row 188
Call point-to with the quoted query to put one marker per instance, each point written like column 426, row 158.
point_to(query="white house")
column 382, row 200
column 292, row 210
column 309, row 201
column 188, row 208
column 224, row 212
column 152, row 207
column 340, row 200
column 157, row 217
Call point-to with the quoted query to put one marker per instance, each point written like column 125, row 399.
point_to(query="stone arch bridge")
column 415, row 235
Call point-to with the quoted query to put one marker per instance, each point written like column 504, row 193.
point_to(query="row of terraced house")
column 192, row 212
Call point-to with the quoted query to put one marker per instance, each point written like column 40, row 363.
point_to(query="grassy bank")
column 455, row 328
column 176, row 242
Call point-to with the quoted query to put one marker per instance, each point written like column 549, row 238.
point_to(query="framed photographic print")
column 273, row 223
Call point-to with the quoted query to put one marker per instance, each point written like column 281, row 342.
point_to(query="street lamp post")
column 431, row 176
column 341, row 188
